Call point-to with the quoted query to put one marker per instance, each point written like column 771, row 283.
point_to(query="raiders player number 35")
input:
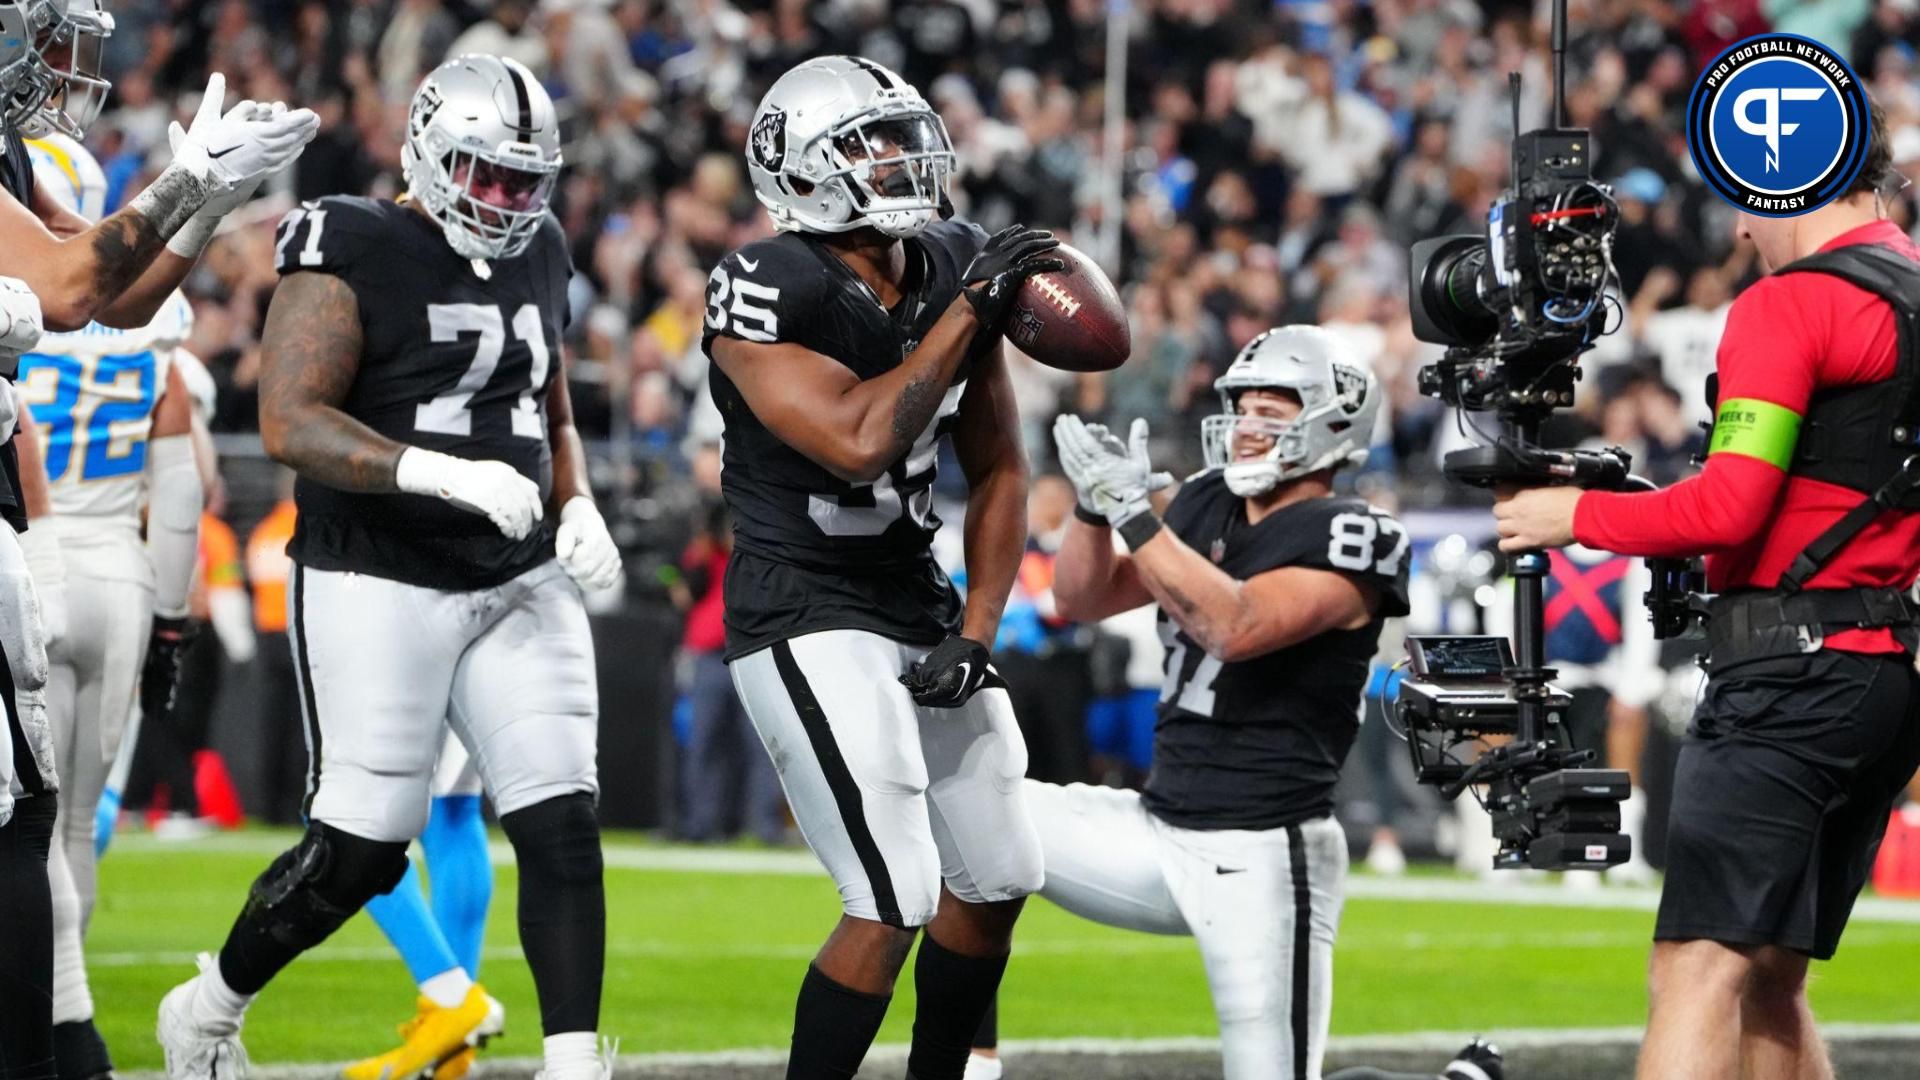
column 844, row 349
column 411, row 377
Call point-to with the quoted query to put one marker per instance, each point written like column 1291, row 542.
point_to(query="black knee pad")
column 310, row 890
column 557, row 840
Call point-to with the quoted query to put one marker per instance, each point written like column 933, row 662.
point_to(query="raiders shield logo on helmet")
column 1350, row 384
column 769, row 139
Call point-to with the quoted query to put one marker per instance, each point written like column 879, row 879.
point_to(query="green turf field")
column 709, row 961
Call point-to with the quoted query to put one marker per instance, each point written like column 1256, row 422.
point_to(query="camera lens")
column 1449, row 286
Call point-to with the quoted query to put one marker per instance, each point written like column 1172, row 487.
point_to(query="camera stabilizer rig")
column 1516, row 308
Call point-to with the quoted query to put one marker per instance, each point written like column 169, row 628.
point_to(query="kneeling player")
column 410, row 376
column 1271, row 593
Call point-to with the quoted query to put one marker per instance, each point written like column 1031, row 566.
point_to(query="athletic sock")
column 563, row 908
column 402, row 915
column 449, row 988
column 79, row 1051
column 216, row 1006
column 26, row 938
column 988, row 1037
column 954, row 992
column 833, row 1027
column 461, row 870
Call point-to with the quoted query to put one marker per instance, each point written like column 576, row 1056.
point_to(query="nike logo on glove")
column 966, row 673
column 1224, row 870
column 211, row 156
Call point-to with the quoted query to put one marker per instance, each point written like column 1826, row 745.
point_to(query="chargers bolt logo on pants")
column 1778, row 125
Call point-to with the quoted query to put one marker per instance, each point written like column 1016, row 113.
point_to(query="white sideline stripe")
column 1435, row 1042
column 694, row 860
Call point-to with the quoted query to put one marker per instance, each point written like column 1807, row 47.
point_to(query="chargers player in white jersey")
column 115, row 425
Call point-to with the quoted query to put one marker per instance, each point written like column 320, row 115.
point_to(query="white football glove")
column 20, row 331
column 198, row 232
column 1111, row 479
column 585, row 548
column 246, row 143
column 492, row 488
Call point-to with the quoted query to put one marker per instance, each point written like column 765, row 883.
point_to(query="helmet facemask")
column 72, row 62
column 1258, row 452
column 894, row 167
column 49, row 55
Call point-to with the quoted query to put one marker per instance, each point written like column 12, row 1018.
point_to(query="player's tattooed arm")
column 853, row 428
column 92, row 274
column 1239, row 620
column 986, row 439
column 310, row 352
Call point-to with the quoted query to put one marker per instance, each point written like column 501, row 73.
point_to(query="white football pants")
column 1262, row 905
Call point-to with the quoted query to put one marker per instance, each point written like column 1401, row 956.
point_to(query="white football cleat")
column 196, row 1050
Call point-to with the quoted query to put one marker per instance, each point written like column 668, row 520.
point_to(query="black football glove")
column 951, row 673
column 160, row 678
column 994, row 277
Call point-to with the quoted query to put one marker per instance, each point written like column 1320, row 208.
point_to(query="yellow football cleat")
column 433, row 1037
column 457, row 1066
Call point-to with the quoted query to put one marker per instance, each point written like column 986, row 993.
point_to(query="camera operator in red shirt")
column 1807, row 729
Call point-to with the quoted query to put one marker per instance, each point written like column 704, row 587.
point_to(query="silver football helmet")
column 840, row 142
column 482, row 154
column 1339, row 400
column 79, row 91
column 50, row 64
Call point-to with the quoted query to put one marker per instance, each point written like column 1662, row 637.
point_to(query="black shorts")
column 1781, row 796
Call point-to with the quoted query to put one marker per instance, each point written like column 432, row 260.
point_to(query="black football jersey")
column 1258, row 744
column 16, row 173
column 811, row 551
column 452, row 361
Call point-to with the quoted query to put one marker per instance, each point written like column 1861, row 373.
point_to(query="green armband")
column 1757, row 429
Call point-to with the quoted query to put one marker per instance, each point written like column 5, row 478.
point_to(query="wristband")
column 1090, row 517
column 1139, row 529
column 422, row 472
column 194, row 236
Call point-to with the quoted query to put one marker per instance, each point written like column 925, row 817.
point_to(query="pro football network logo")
column 1778, row 125
column 769, row 139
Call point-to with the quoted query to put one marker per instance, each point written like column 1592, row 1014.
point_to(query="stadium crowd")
column 1278, row 159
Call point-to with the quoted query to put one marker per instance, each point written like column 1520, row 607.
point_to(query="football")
column 1072, row 319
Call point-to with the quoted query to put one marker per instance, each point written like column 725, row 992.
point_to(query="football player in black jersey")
column 119, row 273
column 844, row 349
column 1271, row 594
column 410, row 375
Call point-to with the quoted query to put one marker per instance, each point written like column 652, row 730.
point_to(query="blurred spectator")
column 1684, row 339
column 173, row 766
column 283, row 749
column 730, row 785
column 1042, row 657
column 506, row 31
